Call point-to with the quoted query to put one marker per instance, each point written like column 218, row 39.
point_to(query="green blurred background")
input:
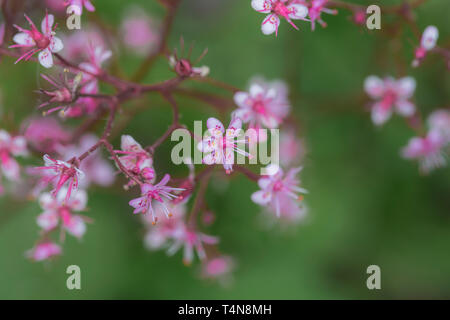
column 367, row 204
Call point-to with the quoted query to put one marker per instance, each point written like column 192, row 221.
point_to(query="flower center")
column 278, row 186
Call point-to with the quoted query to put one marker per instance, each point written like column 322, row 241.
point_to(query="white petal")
column 380, row 115
column 256, row 90
column 405, row 108
column 405, row 87
column 23, row 39
column 270, row 24
column 263, row 6
column 46, row 25
column 214, row 125
column 241, row 98
column 429, row 37
column 56, row 45
column 261, row 197
column 45, row 58
column 299, row 11
column 374, row 86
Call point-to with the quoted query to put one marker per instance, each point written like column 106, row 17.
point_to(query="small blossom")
column 291, row 148
column 58, row 210
column 78, row 45
column 79, row 4
column 59, row 173
column 155, row 192
column 265, row 105
column 219, row 268
column 427, row 150
column 45, row 43
column 427, row 43
column 220, row 146
column 46, row 134
column 11, row 147
column 390, row 94
column 289, row 10
column 139, row 32
column 136, row 160
column 279, row 191
column 96, row 169
column 315, row 11
column 439, row 121
column 44, row 251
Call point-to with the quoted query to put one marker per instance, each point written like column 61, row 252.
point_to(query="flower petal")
column 298, row 11
column 374, row 86
column 270, row 24
column 24, row 39
column 263, row 6
column 45, row 58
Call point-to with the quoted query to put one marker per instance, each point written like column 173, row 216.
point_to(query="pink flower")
column 218, row 268
column 156, row 192
column 136, row 160
column 79, row 5
column 279, row 192
column 139, row 32
column 58, row 210
column 315, row 11
column 46, row 134
column 220, row 149
column 439, row 121
column 265, row 105
column 279, row 8
column 45, row 43
column 44, row 251
column 78, row 45
column 291, row 148
column 389, row 94
column 427, row 43
column 427, row 150
column 97, row 170
column 60, row 172
column 11, row 147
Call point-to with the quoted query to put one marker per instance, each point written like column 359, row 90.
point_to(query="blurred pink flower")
column 388, row 94
column 79, row 44
column 46, row 134
column 288, row 10
column 139, row 33
column 221, row 145
column 427, row 43
column 291, row 148
column 11, row 147
column 265, row 105
column 218, row 268
column 439, row 121
column 427, row 150
column 58, row 210
column 45, row 43
column 44, row 251
column 279, row 191
column 156, row 192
